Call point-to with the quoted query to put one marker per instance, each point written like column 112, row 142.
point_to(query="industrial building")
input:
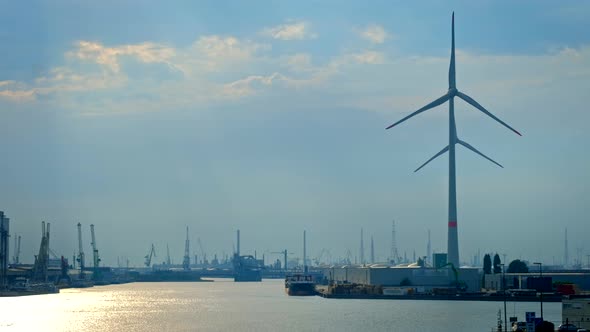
column 4, row 253
column 425, row 278
column 521, row 280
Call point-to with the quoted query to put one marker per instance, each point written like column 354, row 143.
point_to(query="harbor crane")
column 459, row 284
column 324, row 252
column 203, row 254
column 186, row 261
column 284, row 253
column 80, row 258
column 148, row 257
column 95, row 257
column 348, row 257
column 41, row 261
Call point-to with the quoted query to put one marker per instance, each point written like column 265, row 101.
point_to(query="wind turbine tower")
column 452, row 241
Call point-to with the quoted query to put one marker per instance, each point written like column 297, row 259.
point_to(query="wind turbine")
column 453, row 244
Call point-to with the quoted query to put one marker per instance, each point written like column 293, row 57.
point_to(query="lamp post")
column 541, row 276
column 504, row 291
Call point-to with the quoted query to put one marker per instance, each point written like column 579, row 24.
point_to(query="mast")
column 186, row 262
column 394, row 255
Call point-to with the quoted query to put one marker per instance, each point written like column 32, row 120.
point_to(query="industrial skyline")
column 273, row 124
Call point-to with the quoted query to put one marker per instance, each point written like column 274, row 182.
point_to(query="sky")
column 143, row 118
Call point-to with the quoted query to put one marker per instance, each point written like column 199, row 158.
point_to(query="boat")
column 300, row 285
column 247, row 268
column 21, row 287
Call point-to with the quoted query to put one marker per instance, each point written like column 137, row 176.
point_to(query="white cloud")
column 246, row 86
column 228, row 47
column 109, row 56
column 374, row 33
column 18, row 95
column 6, row 83
column 290, row 31
column 369, row 57
column 212, row 52
column 220, row 69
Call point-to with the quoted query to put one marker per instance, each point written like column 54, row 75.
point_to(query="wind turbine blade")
column 467, row 145
column 431, row 159
column 452, row 81
column 427, row 107
column 475, row 104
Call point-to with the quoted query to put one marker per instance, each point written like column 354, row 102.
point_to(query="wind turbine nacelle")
column 452, row 92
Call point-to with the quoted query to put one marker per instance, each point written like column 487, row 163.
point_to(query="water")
column 227, row 306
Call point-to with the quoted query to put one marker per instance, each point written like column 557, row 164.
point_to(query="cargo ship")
column 300, row 285
column 247, row 268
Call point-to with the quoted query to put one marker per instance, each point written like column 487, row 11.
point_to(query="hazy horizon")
column 270, row 118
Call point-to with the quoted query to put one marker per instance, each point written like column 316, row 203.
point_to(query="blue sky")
column 270, row 117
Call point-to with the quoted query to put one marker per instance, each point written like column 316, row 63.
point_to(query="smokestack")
column 362, row 253
column 238, row 252
column 565, row 252
column 304, row 254
column 429, row 250
column 372, row 251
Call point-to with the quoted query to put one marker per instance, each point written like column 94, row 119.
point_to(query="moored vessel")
column 300, row 285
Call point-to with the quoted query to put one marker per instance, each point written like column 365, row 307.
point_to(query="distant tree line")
column 516, row 266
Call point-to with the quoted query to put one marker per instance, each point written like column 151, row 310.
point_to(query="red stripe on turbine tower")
column 452, row 224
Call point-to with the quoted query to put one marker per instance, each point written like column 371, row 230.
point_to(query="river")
column 227, row 306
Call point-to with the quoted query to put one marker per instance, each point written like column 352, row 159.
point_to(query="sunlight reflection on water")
column 224, row 305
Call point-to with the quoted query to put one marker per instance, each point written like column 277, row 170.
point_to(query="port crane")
column 95, row 257
column 348, row 257
column 284, row 253
column 40, row 267
column 324, row 251
column 148, row 257
column 186, row 261
column 460, row 285
column 80, row 258
column 203, row 254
